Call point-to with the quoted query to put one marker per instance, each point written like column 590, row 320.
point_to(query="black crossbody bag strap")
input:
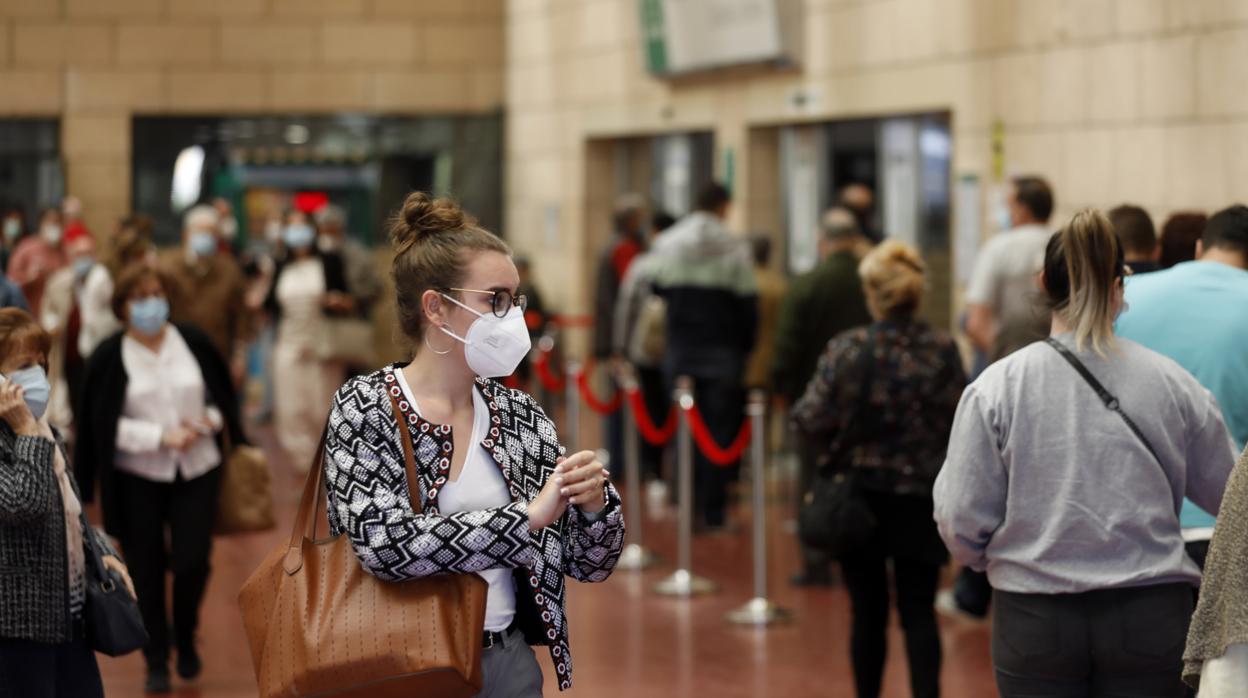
column 1106, row 397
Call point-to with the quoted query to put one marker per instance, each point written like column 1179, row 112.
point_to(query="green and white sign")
column 683, row 36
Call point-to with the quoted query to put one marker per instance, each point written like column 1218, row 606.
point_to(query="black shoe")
column 158, row 681
column 189, row 664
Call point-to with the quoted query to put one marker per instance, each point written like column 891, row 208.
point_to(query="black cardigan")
column 104, row 398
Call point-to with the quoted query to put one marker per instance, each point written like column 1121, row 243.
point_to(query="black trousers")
column 41, row 670
column 186, row 510
column 907, row 535
column 1113, row 643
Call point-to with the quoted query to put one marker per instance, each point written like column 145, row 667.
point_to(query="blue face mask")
column 149, row 315
column 82, row 267
column 35, row 384
column 203, row 244
column 299, row 236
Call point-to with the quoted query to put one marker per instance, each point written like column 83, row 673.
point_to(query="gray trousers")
column 510, row 669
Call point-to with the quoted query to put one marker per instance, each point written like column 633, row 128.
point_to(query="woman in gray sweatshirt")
column 1069, row 497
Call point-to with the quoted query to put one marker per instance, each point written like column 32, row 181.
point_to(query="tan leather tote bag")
column 319, row 625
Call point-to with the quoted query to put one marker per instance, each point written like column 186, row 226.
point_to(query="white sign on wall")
column 688, row 35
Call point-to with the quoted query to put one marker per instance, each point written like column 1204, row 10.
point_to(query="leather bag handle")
column 304, row 527
column 409, row 459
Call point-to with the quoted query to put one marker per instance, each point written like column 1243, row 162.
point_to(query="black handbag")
column 113, row 622
column 834, row 517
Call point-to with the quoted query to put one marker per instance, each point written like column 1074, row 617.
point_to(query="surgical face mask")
column 149, row 315
column 12, row 230
column 82, row 267
column 34, row 382
column 51, row 233
column 494, row 346
column 202, row 243
column 327, row 243
column 299, row 236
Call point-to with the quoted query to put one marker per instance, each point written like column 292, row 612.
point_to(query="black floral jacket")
column 368, row 501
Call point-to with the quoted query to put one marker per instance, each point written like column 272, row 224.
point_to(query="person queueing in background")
column 497, row 497
column 628, row 221
column 1197, row 314
column 37, row 257
column 536, row 314
column 858, row 199
column 638, row 338
column 209, row 291
column 156, row 400
column 12, row 230
column 1135, row 231
column 1072, row 510
column 819, row 305
column 43, row 643
column 131, row 244
column 1179, row 236
column 889, row 423
column 307, row 284
column 771, row 289
column 61, row 316
column 1005, row 313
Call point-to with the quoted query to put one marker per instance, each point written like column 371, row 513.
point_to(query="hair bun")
column 423, row 216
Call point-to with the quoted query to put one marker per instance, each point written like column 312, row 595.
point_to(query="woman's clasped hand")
column 578, row 481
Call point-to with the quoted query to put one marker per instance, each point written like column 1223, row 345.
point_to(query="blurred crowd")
column 1045, row 499
column 986, row 444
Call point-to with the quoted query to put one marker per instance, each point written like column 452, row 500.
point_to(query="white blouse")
column 480, row 486
column 95, row 310
column 164, row 389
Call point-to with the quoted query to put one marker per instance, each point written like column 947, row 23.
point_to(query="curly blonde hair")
column 893, row 278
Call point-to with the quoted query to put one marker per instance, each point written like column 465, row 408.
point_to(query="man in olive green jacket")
column 819, row 305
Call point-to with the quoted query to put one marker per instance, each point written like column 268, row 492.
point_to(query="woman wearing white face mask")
column 156, row 399
column 43, row 648
column 307, row 286
column 37, row 257
column 498, row 498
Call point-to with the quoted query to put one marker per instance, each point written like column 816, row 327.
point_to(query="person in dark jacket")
column 157, row 399
column 881, row 402
column 706, row 276
column 818, row 306
column 43, row 647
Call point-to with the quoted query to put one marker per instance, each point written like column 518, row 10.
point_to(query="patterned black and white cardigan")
column 368, row 501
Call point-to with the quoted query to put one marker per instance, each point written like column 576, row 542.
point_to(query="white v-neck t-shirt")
column 480, row 486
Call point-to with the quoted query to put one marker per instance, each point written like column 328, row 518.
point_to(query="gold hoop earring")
column 435, row 351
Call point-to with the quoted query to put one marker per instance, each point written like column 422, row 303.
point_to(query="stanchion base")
column 635, row 557
column 759, row 612
column 684, row 583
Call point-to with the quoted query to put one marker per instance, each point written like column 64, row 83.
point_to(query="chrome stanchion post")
column 572, row 432
column 758, row 610
column 635, row 556
column 683, row 582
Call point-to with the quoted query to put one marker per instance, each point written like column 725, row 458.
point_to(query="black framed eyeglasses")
column 501, row 300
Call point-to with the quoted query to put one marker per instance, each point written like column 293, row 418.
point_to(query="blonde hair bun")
column 893, row 277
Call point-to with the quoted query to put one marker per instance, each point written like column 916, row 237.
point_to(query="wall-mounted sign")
column 682, row 36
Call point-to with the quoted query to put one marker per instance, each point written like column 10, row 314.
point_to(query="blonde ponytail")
column 1082, row 265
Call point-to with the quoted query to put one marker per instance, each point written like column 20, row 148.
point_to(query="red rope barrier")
column 552, row 382
column 603, row 408
column 652, row 434
column 722, row 457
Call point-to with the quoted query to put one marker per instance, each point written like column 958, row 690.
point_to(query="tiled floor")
column 626, row 640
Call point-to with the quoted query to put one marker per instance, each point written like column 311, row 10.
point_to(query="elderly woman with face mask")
column 157, row 400
column 37, row 257
column 43, row 647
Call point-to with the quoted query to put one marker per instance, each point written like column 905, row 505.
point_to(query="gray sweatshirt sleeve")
column 970, row 491
column 1211, row 454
